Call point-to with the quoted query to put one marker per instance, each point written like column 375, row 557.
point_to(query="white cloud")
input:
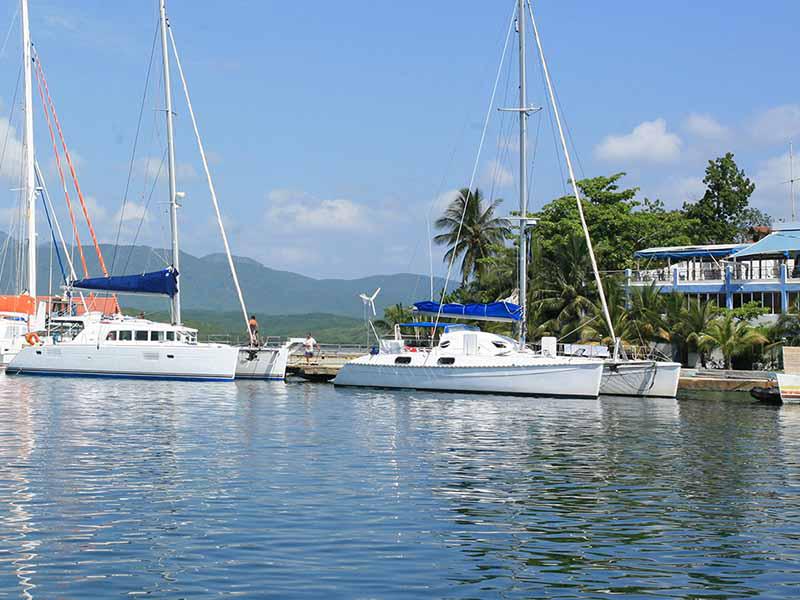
column 497, row 174
column 12, row 157
column 705, row 126
column 648, row 142
column 286, row 208
column 133, row 212
column 778, row 124
column 153, row 166
column 676, row 190
column 441, row 202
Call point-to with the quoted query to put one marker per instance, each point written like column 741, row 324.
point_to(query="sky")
column 337, row 130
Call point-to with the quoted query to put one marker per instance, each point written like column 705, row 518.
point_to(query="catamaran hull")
column 262, row 363
column 193, row 363
column 645, row 378
column 789, row 387
column 574, row 381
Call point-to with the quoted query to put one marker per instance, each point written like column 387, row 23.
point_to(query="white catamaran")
column 468, row 360
column 115, row 346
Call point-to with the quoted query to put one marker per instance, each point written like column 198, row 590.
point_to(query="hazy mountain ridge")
column 206, row 283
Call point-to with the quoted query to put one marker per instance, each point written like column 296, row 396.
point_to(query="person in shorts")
column 308, row 346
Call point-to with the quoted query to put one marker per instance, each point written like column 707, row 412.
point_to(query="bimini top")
column 164, row 283
column 494, row 311
column 685, row 252
column 784, row 242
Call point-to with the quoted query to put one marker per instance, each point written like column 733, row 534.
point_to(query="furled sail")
column 164, row 282
column 494, row 311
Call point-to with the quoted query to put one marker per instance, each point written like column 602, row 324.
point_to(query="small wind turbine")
column 369, row 301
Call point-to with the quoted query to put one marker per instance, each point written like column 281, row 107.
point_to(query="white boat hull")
column 789, row 387
column 262, row 363
column 643, row 378
column 567, row 379
column 181, row 361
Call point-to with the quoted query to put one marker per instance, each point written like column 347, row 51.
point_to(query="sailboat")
column 621, row 376
column 468, row 360
column 23, row 313
column 97, row 344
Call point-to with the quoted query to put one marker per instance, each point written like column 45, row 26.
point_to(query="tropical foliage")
column 562, row 297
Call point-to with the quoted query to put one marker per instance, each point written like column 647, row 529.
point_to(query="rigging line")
column 575, row 190
column 46, row 193
column 60, row 169
column 8, row 33
column 474, row 171
column 133, row 151
column 211, row 189
column 53, row 245
column 10, row 116
column 71, row 168
column 569, row 135
column 144, row 212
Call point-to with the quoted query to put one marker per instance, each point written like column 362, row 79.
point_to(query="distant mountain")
column 206, row 283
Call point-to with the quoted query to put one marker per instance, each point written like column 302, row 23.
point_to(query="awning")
column 164, row 283
column 777, row 243
column 494, row 311
column 686, row 252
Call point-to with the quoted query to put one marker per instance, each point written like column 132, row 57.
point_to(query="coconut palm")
column 564, row 289
column 480, row 230
column 595, row 328
column 696, row 320
column 647, row 313
column 732, row 336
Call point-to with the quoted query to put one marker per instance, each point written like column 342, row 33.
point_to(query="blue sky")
column 335, row 128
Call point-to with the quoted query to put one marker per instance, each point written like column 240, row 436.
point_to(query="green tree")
column 392, row 315
column 480, row 230
column 722, row 212
column 696, row 321
column 732, row 336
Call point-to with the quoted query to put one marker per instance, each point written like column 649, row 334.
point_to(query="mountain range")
column 206, row 283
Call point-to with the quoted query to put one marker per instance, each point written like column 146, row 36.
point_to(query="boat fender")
column 32, row 338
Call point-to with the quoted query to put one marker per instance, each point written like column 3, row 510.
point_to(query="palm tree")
column 647, row 313
column 480, row 230
column 732, row 336
column 595, row 328
column 696, row 320
column 564, row 289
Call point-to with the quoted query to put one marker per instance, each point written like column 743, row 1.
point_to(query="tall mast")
column 29, row 175
column 173, row 196
column 791, row 180
column 573, row 181
column 523, row 177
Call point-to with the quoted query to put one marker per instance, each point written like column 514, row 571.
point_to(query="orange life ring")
column 32, row 338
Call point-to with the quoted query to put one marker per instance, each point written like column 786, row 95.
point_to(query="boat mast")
column 173, row 195
column 791, row 181
column 523, row 178
column 573, row 181
column 29, row 175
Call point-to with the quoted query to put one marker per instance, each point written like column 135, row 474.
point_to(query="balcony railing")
column 715, row 273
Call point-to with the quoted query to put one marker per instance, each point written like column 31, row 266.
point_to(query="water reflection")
column 177, row 490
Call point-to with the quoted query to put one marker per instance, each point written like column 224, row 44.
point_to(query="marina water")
column 177, row 490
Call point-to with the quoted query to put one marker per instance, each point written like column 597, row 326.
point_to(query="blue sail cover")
column 164, row 282
column 495, row 311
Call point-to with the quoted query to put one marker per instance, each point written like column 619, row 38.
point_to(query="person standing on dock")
column 253, row 326
column 309, row 344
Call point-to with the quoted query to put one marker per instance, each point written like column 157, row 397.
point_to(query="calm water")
column 168, row 490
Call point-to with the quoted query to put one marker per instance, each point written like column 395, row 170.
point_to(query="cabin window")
column 499, row 344
column 447, row 360
column 156, row 336
column 112, row 336
column 125, row 336
column 444, row 344
column 402, row 360
column 170, row 336
column 141, row 336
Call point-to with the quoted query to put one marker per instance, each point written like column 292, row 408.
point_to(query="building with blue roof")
column 766, row 271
